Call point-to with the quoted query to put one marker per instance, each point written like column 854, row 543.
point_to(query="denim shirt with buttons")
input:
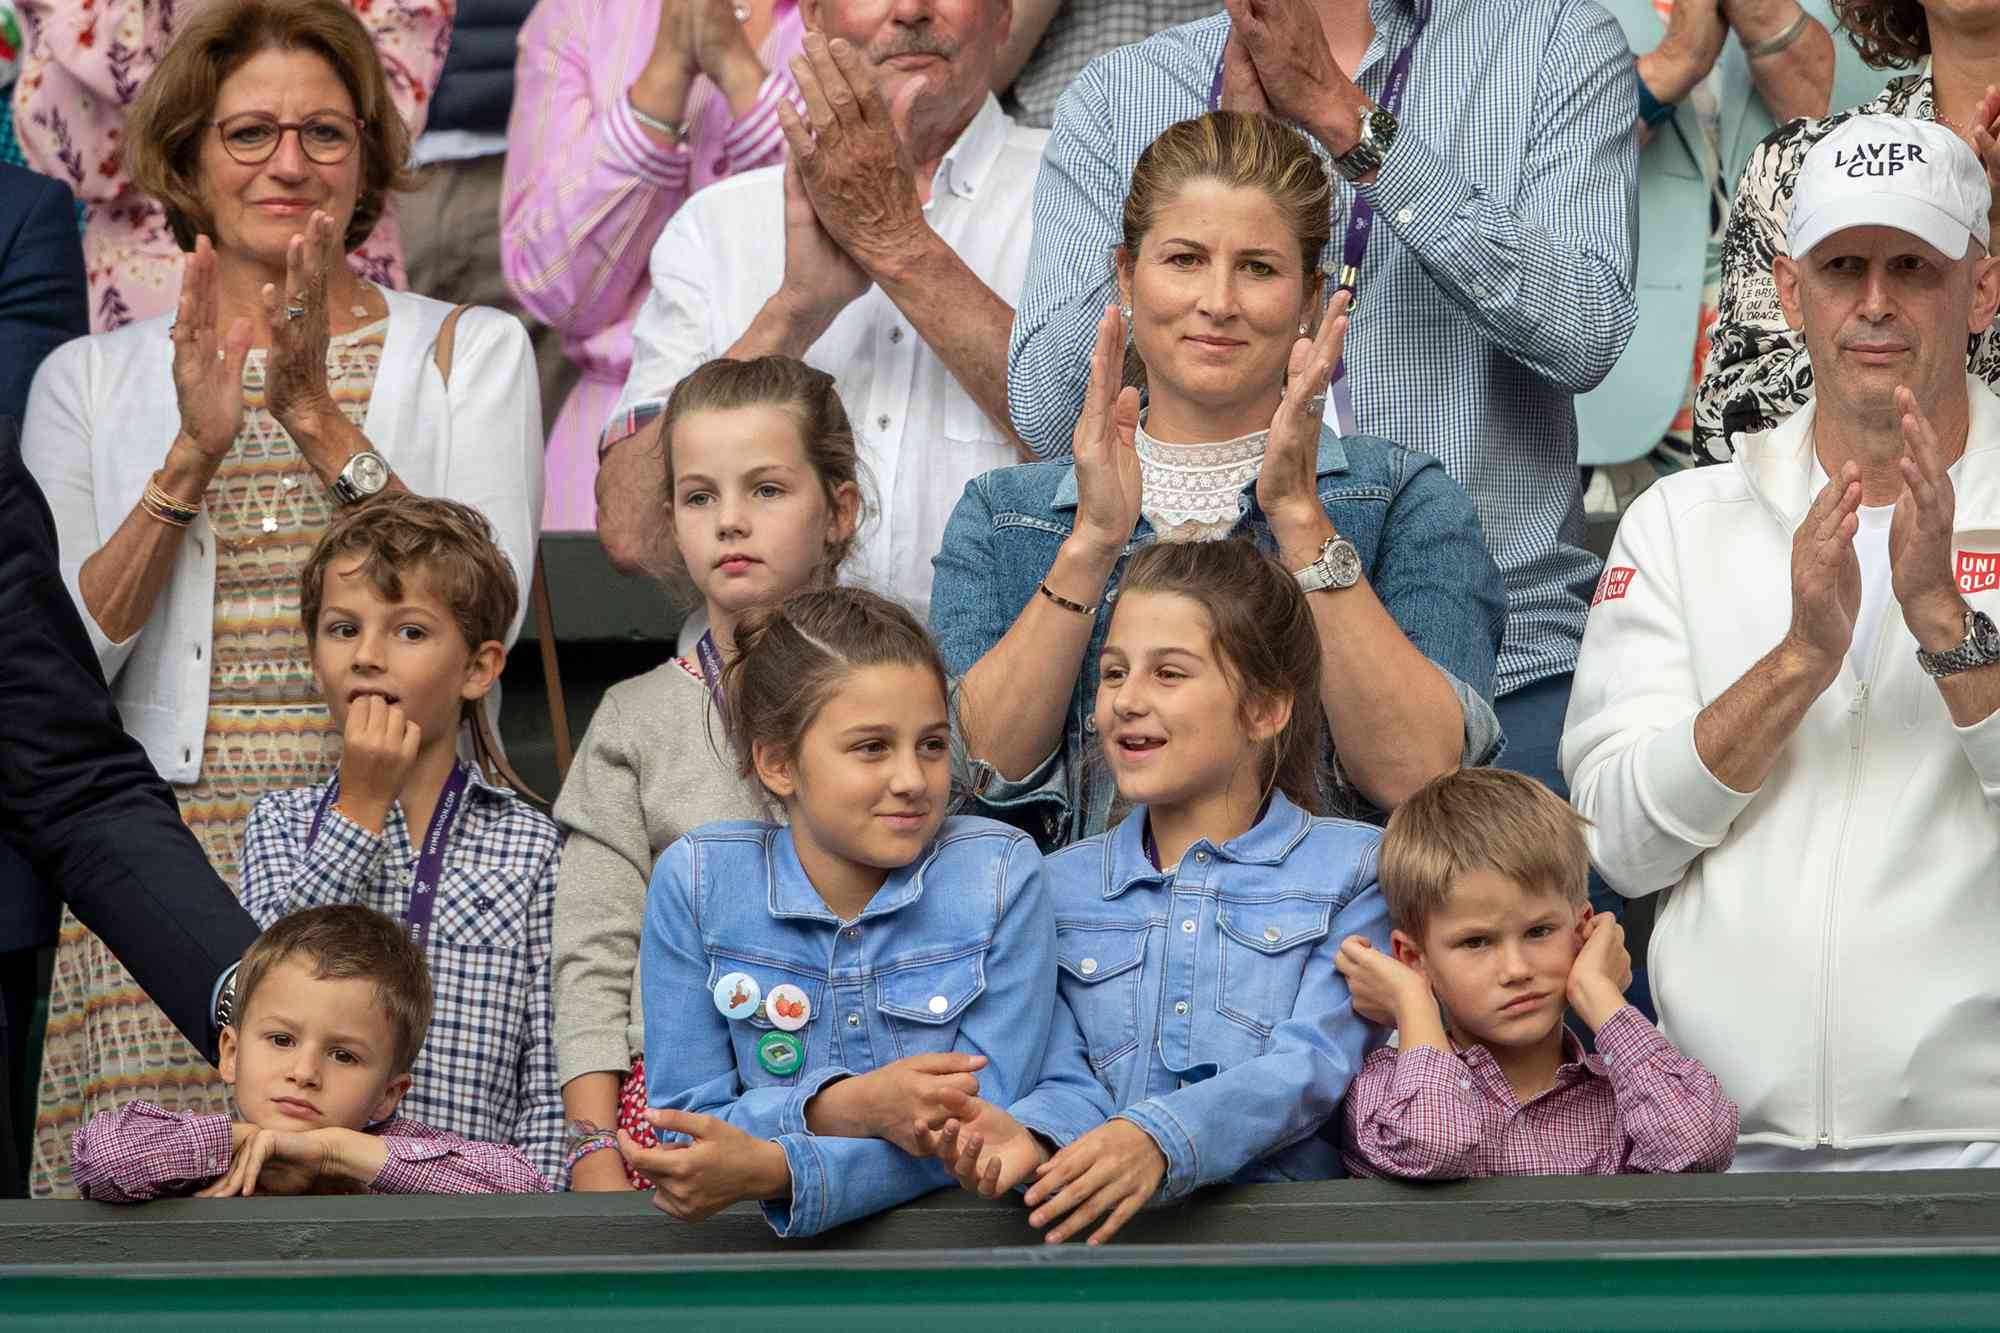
column 1204, row 997
column 1421, row 550
column 955, row 952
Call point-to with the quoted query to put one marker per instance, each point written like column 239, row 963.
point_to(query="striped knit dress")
column 267, row 730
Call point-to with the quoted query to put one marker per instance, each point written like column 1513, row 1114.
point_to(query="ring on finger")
column 296, row 309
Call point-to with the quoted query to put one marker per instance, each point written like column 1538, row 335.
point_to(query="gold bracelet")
column 1065, row 603
column 164, row 507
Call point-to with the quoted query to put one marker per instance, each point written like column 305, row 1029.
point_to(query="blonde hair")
column 1480, row 819
column 167, row 122
column 1242, row 150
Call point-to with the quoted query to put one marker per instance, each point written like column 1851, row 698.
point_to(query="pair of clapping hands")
column 927, row 1105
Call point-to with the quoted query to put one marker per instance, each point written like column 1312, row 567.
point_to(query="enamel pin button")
column 781, row 1054
column 737, row 995
column 788, row 1008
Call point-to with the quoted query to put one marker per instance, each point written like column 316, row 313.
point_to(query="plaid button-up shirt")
column 140, row 1152
column 488, row 1067
column 1637, row 1105
column 1497, row 285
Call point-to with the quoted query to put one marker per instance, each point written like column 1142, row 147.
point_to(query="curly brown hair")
column 1889, row 34
column 166, row 124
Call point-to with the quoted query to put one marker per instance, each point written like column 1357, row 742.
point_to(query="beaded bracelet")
column 586, row 1147
column 165, row 508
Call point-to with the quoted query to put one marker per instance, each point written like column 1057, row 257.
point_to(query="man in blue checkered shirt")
column 1496, row 283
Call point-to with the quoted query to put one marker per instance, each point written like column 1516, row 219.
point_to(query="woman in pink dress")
column 621, row 111
column 82, row 63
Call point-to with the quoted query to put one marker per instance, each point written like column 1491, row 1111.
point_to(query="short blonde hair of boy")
column 1480, row 819
column 342, row 942
column 397, row 534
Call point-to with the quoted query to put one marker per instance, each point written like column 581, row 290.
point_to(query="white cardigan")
column 103, row 412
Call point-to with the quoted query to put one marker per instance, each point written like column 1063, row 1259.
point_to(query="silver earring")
column 1125, row 313
column 1302, row 328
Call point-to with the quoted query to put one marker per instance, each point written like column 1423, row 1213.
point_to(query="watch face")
column 1985, row 638
column 1381, row 128
column 1344, row 563
column 370, row 474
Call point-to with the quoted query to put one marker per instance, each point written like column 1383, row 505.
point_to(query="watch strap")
column 1968, row 655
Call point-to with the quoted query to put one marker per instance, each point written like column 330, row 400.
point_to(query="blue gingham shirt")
column 488, row 1066
column 1497, row 285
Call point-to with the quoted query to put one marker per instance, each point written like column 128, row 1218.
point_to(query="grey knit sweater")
column 646, row 773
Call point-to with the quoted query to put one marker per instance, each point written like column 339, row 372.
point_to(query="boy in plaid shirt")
column 405, row 602
column 1486, row 876
column 332, row 1005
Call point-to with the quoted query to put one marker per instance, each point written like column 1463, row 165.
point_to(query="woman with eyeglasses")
column 192, row 461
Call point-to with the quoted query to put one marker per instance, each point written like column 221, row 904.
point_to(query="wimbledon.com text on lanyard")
column 430, row 855
column 1360, row 218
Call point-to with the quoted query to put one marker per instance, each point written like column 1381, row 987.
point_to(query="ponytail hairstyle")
column 768, row 381
column 1266, row 641
column 1243, row 150
column 790, row 659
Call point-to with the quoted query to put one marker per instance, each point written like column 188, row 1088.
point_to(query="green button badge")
column 781, row 1054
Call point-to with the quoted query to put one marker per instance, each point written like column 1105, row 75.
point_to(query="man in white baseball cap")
column 1784, row 713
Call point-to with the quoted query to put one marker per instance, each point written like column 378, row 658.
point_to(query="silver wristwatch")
column 1980, row 647
column 1338, row 566
column 364, row 476
column 225, row 999
column 1378, row 131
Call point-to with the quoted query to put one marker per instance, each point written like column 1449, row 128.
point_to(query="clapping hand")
column 1107, row 458
column 1826, row 574
column 850, row 153
column 208, row 362
column 1288, row 482
column 1295, row 68
column 1920, row 542
column 296, row 316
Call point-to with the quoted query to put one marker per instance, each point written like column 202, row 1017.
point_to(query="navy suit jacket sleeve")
column 78, row 797
column 43, row 295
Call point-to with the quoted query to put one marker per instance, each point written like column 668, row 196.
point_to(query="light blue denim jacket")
column 967, row 924
column 1421, row 550
column 1205, row 998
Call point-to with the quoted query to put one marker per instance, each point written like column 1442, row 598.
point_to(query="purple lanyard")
column 1360, row 218
column 430, row 856
column 711, row 673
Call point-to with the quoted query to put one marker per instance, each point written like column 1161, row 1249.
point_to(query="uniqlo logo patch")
column 1978, row 571
column 1615, row 583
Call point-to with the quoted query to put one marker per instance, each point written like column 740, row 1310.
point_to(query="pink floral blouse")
column 83, row 62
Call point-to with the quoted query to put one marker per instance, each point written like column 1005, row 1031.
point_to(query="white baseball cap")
column 1889, row 171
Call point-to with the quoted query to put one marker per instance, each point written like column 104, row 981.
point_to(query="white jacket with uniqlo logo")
column 1829, row 945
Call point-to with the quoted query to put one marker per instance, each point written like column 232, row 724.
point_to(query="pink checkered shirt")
column 1638, row 1104
column 140, row 1152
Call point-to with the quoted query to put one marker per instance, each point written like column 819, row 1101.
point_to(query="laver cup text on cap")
column 1876, row 159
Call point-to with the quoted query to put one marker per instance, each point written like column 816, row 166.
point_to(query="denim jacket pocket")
column 745, row 1033
column 922, row 1003
column 1263, row 956
column 1100, row 972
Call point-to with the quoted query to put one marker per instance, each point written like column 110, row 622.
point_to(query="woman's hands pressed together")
column 1288, row 482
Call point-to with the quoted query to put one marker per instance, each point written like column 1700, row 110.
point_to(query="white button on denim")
column 939, row 1004
column 1087, row 966
column 854, row 1020
column 1187, row 927
column 1180, row 1006
column 854, row 932
column 1201, row 856
column 1271, row 934
column 1090, row 726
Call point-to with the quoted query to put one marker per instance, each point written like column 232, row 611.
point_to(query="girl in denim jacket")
column 1197, row 937
column 815, row 992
